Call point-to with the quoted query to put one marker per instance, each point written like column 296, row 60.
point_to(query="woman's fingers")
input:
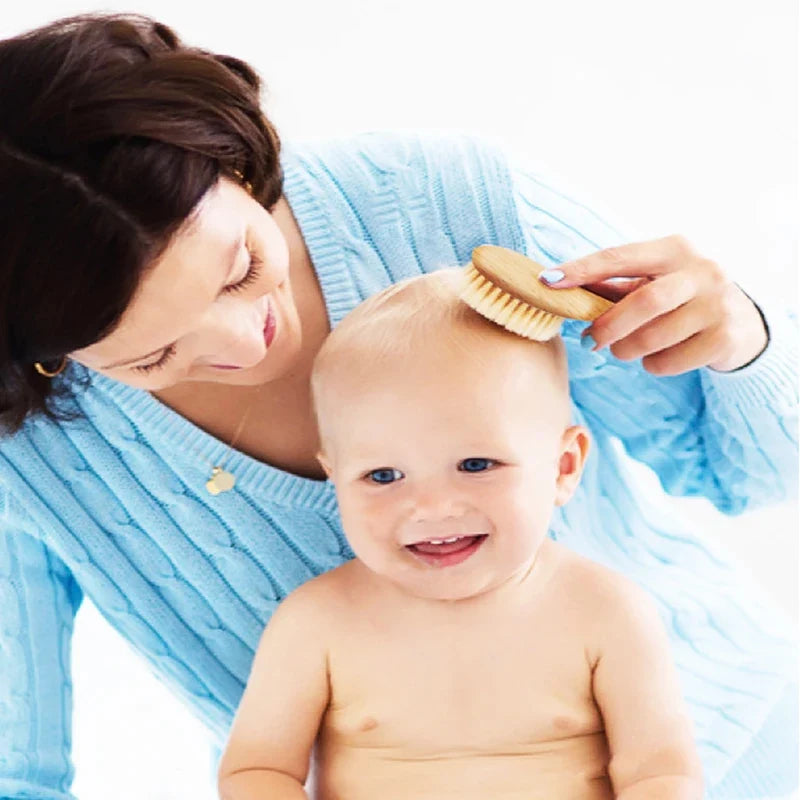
column 651, row 258
column 616, row 290
column 693, row 353
column 720, row 327
column 650, row 301
column 661, row 333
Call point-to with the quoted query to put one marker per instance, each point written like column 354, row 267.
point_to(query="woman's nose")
column 234, row 334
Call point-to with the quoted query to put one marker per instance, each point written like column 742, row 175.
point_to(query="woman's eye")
column 253, row 271
column 476, row 464
column 384, row 475
column 165, row 357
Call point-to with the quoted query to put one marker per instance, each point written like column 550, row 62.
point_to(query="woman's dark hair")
column 111, row 130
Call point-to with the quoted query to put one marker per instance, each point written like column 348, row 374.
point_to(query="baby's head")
column 447, row 437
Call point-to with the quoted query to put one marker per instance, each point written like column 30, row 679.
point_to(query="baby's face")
column 446, row 471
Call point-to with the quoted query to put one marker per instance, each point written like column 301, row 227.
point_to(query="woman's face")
column 216, row 306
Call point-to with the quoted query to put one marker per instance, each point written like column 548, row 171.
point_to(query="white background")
column 676, row 116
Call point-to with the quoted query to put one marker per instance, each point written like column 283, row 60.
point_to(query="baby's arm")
column 636, row 689
column 269, row 747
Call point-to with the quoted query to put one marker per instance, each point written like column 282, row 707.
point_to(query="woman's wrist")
column 770, row 378
column 753, row 337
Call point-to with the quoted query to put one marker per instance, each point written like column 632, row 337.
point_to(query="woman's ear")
column 575, row 444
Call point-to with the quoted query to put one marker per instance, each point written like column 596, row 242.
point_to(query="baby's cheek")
column 542, row 483
column 532, row 507
column 366, row 512
column 366, row 525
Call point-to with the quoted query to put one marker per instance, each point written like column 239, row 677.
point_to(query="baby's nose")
column 436, row 505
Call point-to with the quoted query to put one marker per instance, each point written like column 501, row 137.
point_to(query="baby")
column 463, row 653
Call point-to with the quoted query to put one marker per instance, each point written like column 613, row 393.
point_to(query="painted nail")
column 551, row 275
column 588, row 342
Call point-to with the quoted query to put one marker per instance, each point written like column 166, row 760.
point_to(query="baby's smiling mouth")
column 447, row 552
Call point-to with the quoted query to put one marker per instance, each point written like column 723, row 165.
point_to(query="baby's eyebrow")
column 232, row 252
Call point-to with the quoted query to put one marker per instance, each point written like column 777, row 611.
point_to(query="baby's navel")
column 368, row 724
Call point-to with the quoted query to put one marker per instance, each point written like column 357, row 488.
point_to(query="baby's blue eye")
column 384, row 475
column 476, row 464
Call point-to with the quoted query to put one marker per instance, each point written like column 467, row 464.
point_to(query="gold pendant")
column 220, row 481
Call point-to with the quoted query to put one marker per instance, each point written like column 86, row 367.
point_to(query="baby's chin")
column 446, row 588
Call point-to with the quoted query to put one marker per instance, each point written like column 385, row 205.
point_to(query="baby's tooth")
column 444, row 541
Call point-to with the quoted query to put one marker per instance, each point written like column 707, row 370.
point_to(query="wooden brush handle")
column 518, row 276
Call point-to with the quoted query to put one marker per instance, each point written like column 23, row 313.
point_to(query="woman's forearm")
column 258, row 784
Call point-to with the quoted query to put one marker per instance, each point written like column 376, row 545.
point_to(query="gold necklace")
column 222, row 480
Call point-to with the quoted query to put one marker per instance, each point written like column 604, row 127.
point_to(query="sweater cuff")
column 768, row 381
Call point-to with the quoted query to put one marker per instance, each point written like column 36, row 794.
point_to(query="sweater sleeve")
column 38, row 598
column 729, row 437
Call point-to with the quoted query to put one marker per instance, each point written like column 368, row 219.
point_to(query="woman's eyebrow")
column 233, row 251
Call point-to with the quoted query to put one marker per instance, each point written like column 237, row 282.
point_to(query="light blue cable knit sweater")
column 113, row 505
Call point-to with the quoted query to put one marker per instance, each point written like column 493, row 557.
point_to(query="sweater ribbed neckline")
column 156, row 422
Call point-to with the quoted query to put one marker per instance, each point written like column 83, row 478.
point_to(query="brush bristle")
column 500, row 307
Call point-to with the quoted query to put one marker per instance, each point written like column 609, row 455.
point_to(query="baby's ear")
column 323, row 462
column 575, row 444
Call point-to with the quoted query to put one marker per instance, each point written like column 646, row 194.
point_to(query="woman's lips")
column 269, row 335
column 269, row 325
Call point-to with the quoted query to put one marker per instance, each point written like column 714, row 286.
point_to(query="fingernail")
column 588, row 342
column 551, row 275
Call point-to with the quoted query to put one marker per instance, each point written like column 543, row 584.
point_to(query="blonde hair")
column 411, row 318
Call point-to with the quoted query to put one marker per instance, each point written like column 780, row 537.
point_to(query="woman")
column 168, row 273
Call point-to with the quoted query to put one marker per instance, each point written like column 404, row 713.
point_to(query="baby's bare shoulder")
column 310, row 616
column 325, row 596
column 608, row 609
column 580, row 577
column 325, row 586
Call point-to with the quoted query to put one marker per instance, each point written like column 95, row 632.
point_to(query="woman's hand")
column 678, row 312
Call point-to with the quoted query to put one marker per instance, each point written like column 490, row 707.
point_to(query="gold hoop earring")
column 42, row 370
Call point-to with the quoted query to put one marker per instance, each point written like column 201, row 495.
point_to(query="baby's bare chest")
column 443, row 690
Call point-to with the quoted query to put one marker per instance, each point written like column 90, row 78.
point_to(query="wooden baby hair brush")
column 504, row 286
